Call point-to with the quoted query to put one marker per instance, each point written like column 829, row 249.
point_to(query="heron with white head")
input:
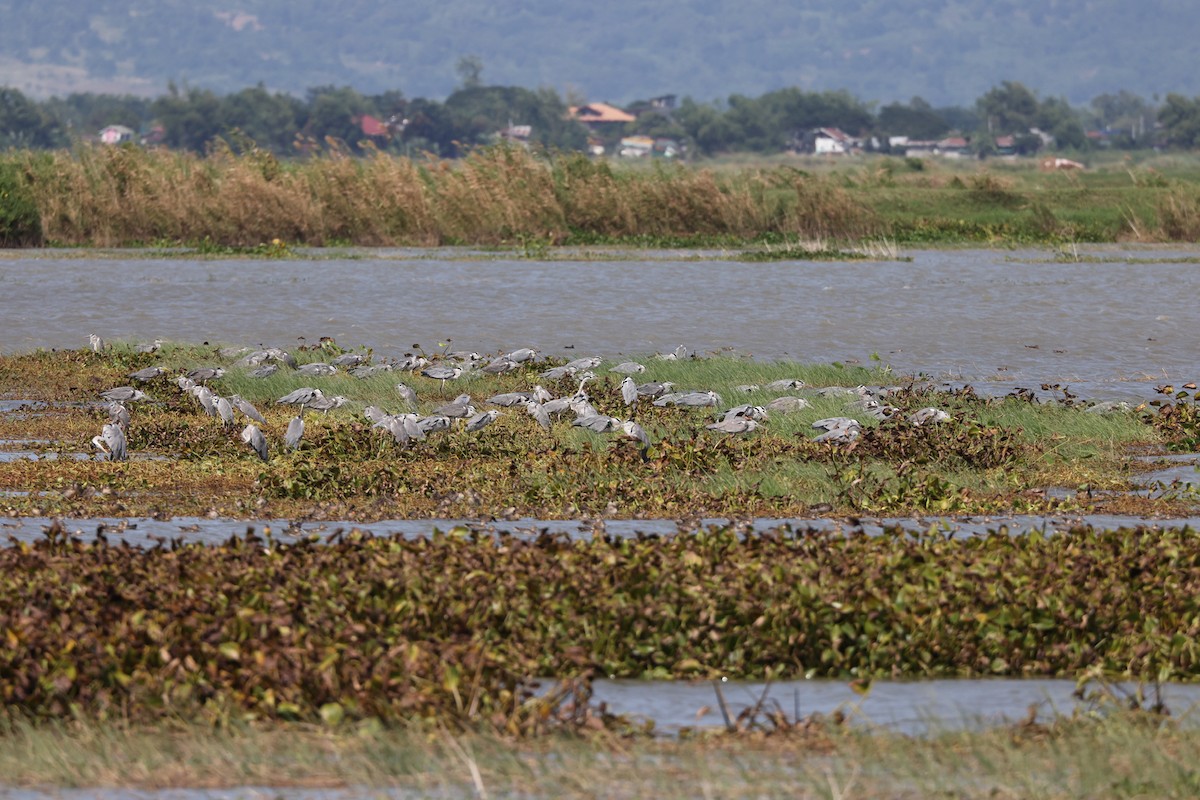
column 111, row 442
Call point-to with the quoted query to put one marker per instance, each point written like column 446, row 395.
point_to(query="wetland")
column 360, row 580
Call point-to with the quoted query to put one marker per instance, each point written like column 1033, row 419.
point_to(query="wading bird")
column 317, row 369
column 299, row 397
column 147, row 374
column 252, row 436
column 224, row 410
column 628, row 368
column 96, row 342
column 111, row 442
column 635, row 431
column 248, row 410
column 118, row 414
column 482, row 420
column 733, row 425
column 205, row 374
column 295, row 430
column 629, row 392
column 125, row 394
column 406, row 393
column 442, row 373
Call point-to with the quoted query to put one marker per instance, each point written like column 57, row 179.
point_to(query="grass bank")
column 1110, row 755
column 991, row 455
column 128, row 197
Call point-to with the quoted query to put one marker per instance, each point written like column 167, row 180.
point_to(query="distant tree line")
column 192, row 118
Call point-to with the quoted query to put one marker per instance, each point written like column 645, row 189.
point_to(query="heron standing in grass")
column 111, row 442
column 252, row 436
column 295, row 430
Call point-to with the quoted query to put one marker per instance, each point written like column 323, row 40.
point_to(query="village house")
column 603, row 121
column 949, row 147
column 825, row 142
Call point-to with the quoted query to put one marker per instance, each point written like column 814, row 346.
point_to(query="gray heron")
column 295, row 430
column 406, row 393
column 482, row 420
column 510, row 399
column 456, row 410
column 111, row 442
column 539, row 413
column 598, row 423
column 501, row 365
column 655, row 388
column 690, row 399
column 434, row 423
column 224, row 410
column 788, row 404
column 629, row 368
column 205, row 374
column 838, row 429
column 252, row 436
column 265, row 371
column 124, row 394
column 521, row 355
column 246, row 408
column 748, row 411
column 299, row 397
column 317, row 369
column 587, row 362
column 929, row 414
column 629, row 392
column 118, row 414
column 443, row 373
column 206, row 399
column 147, row 374
column 327, row 404
column 635, row 431
column 733, row 425
column 411, row 363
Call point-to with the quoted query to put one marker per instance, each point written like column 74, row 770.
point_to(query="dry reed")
column 125, row 196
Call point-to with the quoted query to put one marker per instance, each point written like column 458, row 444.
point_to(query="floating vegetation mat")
column 455, row 627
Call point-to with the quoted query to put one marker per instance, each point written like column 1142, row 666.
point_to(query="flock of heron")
column 537, row 403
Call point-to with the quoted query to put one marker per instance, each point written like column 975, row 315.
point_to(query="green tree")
column 470, row 72
column 25, row 124
column 917, row 120
column 270, row 120
column 1056, row 117
column 1008, row 109
column 335, row 113
column 191, row 119
column 1180, row 118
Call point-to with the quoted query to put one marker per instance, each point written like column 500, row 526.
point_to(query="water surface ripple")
column 976, row 314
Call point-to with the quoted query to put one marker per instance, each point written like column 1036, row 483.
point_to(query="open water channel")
column 1112, row 325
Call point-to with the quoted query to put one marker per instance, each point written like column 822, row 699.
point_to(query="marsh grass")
column 243, row 197
column 1119, row 756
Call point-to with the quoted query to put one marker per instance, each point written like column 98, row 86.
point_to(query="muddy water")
column 1114, row 328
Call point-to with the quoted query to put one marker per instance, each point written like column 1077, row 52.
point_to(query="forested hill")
column 946, row 51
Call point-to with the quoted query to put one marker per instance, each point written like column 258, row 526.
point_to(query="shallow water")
column 1115, row 329
column 147, row 532
column 909, row 707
